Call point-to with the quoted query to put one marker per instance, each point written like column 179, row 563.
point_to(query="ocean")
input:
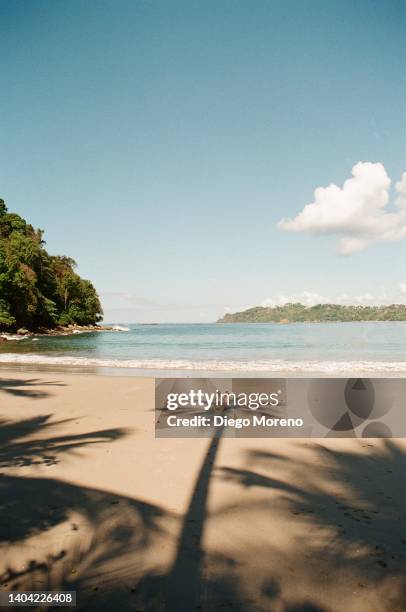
column 329, row 349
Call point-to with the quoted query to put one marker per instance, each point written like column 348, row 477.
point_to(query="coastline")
column 60, row 330
column 157, row 368
column 318, row 313
column 214, row 350
column 127, row 520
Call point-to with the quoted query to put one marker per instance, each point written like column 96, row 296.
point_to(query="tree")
column 38, row 290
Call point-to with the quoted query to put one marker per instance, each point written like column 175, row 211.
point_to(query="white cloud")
column 401, row 189
column 356, row 212
column 308, row 298
column 402, row 288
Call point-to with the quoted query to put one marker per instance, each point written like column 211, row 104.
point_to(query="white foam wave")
column 268, row 366
column 120, row 328
column 14, row 337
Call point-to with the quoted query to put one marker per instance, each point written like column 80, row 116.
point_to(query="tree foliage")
column 38, row 290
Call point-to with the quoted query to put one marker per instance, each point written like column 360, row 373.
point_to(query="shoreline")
column 61, row 330
column 210, row 352
column 170, row 372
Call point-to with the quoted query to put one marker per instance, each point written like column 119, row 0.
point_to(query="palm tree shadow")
column 185, row 585
column 21, row 444
column 356, row 499
column 25, row 387
column 103, row 539
column 70, row 537
column 98, row 542
column 113, row 550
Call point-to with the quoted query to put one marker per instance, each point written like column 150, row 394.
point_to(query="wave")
column 120, row 328
column 265, row 366
column 15, row 337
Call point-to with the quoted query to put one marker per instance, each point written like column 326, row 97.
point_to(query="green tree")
column 38, row 290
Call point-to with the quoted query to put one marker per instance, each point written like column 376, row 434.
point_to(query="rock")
column 3, row 339
column 22, row 331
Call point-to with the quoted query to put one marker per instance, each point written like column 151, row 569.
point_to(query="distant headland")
column 298, row 313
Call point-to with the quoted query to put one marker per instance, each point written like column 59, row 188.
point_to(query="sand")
column 91, row 501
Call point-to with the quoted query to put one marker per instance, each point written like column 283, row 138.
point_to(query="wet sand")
column 91, row 501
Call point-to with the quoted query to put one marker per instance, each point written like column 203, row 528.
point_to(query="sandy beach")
column 91, row 501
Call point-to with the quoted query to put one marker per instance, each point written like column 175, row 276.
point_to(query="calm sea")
column 233, row 349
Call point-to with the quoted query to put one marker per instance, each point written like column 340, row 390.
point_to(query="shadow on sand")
column 126, row 554
column 21, row 387
column 17, row 451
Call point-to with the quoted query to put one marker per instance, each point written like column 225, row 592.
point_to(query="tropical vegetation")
column 39, row 291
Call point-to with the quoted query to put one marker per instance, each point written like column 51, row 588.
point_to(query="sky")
column 173, row 149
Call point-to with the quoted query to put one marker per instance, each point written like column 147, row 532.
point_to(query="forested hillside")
column 39, row 291
column 298, row 313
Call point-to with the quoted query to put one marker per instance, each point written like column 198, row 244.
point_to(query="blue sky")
column 160, row 143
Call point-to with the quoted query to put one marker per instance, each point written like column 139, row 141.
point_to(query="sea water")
column 236, row 349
